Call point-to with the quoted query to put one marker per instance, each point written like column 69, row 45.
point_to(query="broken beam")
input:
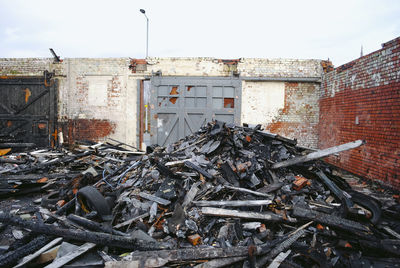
column 318, row 154
column 161, row 257
column 122, row 224
column 330, row 220
column 244, row 190
column 154, row 198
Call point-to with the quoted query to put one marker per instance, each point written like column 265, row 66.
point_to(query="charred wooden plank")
column 186, row 254
column 247, row 191
column 330, row 220
column 161, row 257
column 166, row 171
column 29, row 177
column 93, row 237
column 271, row 187
column 191, row 194
column 198, row 169
column 335, row 189
column 122, row 224
column 229, row 174
column 93, row 226
column 154, row 198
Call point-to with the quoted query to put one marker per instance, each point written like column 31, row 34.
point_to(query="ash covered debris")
column 225, row 196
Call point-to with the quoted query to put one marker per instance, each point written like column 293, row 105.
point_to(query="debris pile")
column 224, row 196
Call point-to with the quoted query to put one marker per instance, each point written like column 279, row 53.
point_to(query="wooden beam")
column 221, row 212
column 154, row 198
column 329, row 220
column 248, row 191
column 122, row 224
column 318, row 154
column 126, row 242
column 234, row 203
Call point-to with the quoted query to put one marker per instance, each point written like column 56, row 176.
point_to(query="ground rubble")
column 233, row 196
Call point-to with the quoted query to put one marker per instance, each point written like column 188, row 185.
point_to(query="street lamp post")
column 147, row 32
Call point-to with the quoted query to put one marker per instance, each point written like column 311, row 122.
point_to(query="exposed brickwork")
column 114, row 93
column 299, row 116
column 34, row 66
column 81, row 90
column 361, row 100
column 27, row 66
column 87, row 129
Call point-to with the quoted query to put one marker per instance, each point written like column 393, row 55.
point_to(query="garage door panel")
column 167, row 127
column 185, row 104
column 224, row 117
column 195, row 121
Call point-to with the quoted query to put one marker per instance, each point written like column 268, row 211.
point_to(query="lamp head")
column 143, row 11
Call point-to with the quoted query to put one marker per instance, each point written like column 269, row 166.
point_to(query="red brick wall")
column 361, row 100
column 87, row 129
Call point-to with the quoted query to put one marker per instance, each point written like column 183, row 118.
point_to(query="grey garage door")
column 181, row 105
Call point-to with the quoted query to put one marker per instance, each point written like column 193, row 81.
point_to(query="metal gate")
column 181, row 105
column 28, row 111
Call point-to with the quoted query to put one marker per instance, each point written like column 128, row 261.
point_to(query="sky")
column 300, row 29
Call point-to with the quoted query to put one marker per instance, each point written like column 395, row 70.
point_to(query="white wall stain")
column 261, row 101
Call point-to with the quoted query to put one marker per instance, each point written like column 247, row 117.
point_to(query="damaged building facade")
column 159, row 100
column 101, row 98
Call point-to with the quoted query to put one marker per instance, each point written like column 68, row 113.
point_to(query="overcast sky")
column 208, row 28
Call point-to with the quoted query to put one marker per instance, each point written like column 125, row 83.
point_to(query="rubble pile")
column 224, row 196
